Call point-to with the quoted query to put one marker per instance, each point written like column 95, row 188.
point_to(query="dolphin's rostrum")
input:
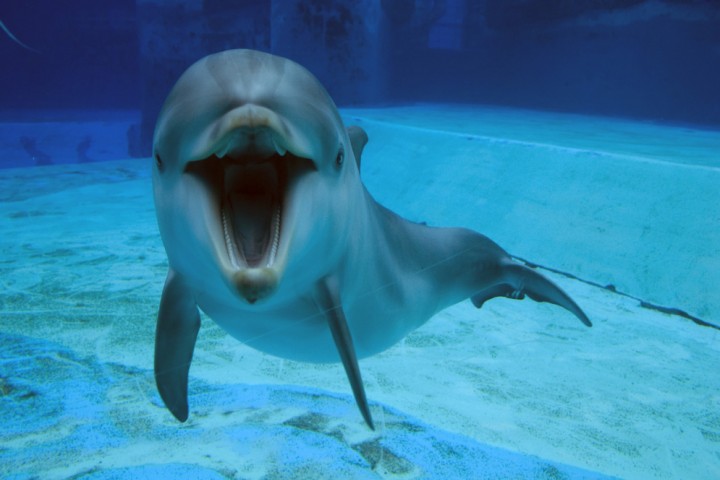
column 270, row 231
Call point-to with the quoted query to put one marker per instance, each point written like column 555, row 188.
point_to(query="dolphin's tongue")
column 253, row 197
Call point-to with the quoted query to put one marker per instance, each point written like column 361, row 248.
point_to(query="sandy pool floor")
column 514, row 390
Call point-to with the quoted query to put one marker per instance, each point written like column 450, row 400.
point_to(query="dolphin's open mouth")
column 251, row 210
column 251, row 191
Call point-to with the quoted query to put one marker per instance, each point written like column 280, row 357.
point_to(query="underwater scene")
column 360, row 239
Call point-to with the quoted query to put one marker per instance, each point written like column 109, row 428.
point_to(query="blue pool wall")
column 656, row 60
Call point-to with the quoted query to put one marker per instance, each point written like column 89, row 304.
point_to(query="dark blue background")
column 527, row 53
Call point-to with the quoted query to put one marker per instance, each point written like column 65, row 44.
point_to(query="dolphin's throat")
column 251, row 212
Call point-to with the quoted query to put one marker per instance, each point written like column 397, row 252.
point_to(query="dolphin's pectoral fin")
column 520, row 280
column 330, row 302
column 358, row 140
column 177, row 328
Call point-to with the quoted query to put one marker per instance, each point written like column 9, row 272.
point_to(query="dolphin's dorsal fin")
column 330, row 303
column 177, row 328
column 358, row 140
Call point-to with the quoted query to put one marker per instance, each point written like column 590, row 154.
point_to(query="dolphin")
column 270, row 231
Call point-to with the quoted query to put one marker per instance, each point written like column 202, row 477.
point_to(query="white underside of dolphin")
column 269, row 230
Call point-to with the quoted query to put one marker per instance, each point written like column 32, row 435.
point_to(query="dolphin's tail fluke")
column 518, row 280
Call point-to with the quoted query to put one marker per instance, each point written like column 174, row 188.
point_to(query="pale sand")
column 636, row 396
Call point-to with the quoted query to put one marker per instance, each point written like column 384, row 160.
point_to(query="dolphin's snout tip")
column 254, row 284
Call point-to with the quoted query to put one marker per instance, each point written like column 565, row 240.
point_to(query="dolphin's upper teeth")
column 279, row 149
column 224, row 149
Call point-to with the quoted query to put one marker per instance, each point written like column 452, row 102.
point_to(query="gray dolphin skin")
column 269, row 230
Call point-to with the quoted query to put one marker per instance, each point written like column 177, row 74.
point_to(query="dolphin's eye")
column 158, row 161
column 340, row 156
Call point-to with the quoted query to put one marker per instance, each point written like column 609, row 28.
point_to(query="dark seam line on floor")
column 650, row 306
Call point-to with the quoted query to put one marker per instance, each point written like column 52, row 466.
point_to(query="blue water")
column 581, row 136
